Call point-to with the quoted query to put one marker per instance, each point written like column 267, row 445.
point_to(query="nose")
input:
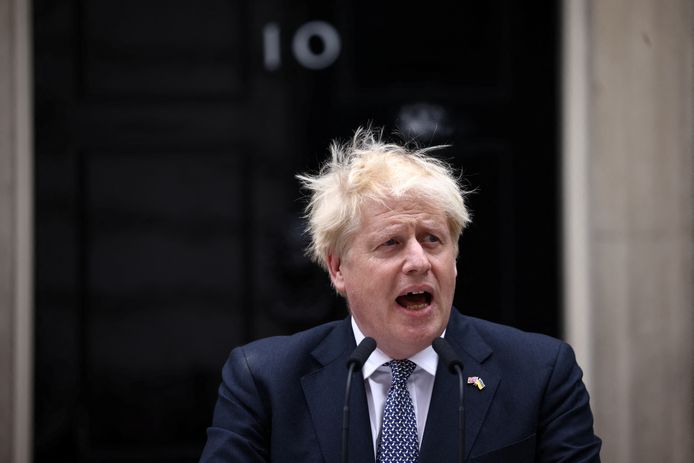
column 416, row 259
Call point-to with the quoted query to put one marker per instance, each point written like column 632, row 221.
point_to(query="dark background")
column 168, row 216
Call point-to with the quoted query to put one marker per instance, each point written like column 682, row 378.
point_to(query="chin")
column 413, row 341
column 423, row 332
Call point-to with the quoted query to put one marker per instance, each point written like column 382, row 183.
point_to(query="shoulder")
column 303, row 340
column 284, row 353
column 504, row 336
column 511, row 345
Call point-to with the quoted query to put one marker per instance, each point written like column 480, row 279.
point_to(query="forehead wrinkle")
column 413, row 218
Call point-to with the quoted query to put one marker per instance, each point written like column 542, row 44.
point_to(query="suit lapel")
column 324, row 392
column 440, row 442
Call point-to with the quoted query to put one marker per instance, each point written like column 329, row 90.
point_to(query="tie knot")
column 402, row 369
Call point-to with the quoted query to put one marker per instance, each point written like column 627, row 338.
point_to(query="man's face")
column 398, row 275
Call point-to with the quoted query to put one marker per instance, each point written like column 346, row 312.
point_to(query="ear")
column 336, row 276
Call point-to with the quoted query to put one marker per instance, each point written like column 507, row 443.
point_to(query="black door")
column 168, row 219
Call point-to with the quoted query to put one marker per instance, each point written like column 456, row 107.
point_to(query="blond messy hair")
column 368, row 169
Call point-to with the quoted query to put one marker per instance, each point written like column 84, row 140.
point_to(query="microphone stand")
column 461, row 413
column 345, row 414
column 450, row 358
column 354, row 363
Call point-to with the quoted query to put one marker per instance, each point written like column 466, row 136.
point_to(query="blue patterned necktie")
column 398, row 443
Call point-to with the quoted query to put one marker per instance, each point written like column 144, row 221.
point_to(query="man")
column 384, row 222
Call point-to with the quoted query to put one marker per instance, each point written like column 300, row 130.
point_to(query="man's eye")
column 432, row 239
column 390, row 242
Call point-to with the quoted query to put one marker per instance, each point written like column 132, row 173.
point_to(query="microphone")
column 354, row 363
column 361, row 353
column 450, row 358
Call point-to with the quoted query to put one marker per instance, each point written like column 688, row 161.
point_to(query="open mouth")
column 414, row 300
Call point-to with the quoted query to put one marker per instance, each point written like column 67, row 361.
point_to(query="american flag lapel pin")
column 477, row 381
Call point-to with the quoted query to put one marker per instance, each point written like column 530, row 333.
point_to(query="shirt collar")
column 426, row 359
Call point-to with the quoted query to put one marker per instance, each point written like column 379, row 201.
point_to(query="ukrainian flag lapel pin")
column 477, row 381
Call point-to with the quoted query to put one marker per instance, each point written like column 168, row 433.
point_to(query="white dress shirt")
column 377, row 380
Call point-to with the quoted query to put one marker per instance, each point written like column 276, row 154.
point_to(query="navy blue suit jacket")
column 281, row 400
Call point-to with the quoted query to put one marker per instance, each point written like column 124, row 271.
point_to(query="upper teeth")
column 416, row 292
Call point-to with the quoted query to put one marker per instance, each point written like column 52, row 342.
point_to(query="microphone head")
column 361, row 353
column 447, row 354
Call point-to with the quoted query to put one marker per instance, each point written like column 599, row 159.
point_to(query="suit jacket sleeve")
column 239, row 431
column 565, row 428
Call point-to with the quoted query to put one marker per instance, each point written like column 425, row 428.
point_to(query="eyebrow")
column 395, row 228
